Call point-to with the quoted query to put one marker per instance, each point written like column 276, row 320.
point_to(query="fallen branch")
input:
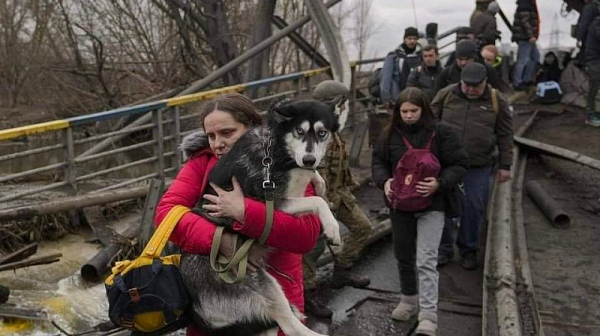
column 49, row 259
column 21, row 254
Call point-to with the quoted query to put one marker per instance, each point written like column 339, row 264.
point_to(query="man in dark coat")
column 482, row 119
column 484, row 25
column 526, row 31
column 466, row 53
column 592, row 63
column 588, row 14
column 425, row 75
column 462, row 34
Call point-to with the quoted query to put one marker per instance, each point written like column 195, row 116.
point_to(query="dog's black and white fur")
column 300, row 134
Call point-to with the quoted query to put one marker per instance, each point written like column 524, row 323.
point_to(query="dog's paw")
column 331, row 229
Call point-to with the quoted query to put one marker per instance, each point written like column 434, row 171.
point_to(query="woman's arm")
column 296, row 234
column 193, row 233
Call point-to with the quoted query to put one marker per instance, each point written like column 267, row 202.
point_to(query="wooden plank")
column 20, row 254
column 558, row 152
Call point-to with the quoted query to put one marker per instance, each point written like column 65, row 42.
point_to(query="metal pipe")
column 31, row 152
column 32, row 172
column 558, row 152
column 557, row 216
column 115, row 151
column 34, row 191
column 114, row 169
column 202, row 83
column 109, row 134
column 95, row 269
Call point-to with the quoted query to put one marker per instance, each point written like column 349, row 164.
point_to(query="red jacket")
column 290, row 236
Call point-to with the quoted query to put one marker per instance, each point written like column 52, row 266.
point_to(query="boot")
column 427, row 324
column 407, row 308
column 314, row 306
column 342, row 277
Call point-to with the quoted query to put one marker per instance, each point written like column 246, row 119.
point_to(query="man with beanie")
column 482, row 119
column 397, row 66
column 462, row 34
column 526, row 31
column 484, row 25
column 466, row 53
column 335, row 170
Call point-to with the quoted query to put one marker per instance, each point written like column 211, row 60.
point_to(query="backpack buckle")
column 134, row 294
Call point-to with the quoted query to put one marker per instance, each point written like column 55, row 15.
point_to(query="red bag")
column 414, row 166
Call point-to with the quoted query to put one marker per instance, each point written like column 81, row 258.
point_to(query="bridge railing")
column 59, row 163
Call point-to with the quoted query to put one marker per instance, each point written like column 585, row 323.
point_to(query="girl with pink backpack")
column 418, row 162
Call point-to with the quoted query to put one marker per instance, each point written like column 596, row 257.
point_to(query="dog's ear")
column 283, row 111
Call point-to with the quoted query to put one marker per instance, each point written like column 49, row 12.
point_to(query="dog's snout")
column 309, row 160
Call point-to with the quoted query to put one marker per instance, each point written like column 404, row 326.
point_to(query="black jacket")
column 484, row 27
column 424, row 78
column 451, row 75
column 592, row 42
column 446, row 147
column 587, row 16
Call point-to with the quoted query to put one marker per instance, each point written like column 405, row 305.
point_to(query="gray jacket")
column 395, row 71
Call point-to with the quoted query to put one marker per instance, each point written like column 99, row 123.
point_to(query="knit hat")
column 411, row 31
column 466, row 48
column 493, row 7
column 473, row 73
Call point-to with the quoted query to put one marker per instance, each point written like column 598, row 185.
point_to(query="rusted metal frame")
column 225, row 69
column 159, row 146
column 118, row 168
column 34, row 191
column 34, row 171
column 114, row 151
column 109, row 134
column 278, row 95
column 31, row 152
column 70, row 173
column 175, row 137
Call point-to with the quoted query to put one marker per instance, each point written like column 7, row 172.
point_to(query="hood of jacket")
column 193, row 143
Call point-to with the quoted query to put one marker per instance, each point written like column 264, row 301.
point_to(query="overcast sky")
column 393, row 16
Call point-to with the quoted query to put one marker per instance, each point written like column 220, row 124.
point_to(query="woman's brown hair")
column 414, row 96
column 239, row 106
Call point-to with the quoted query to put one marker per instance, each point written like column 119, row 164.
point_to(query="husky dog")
column 300, row 132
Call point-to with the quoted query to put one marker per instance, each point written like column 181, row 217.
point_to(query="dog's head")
column 306, row 128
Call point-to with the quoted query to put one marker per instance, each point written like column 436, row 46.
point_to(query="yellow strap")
column 495, row 101
column 160, row 237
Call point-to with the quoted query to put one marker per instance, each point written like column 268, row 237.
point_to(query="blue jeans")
column 474, row 204
column 527, row 59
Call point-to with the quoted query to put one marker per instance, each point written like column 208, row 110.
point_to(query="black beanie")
column 411, row 31
column 466, row 48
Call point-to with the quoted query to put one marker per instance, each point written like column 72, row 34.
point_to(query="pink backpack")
column 414, row 166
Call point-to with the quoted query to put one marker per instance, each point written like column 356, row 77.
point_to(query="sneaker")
column 593, row 120
column 407, row 308
column 343, row 276
column 444, row 258
column 315, row 307
column 469, row 261
column 427, row 324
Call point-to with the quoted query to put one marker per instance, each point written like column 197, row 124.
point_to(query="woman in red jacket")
column 223, row 121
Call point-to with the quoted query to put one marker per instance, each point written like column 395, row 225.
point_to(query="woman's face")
column 410, row 113
column 222, row 131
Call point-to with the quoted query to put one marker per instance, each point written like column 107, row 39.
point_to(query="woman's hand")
column 428, row 186
column 387, row 189
column 227, row 203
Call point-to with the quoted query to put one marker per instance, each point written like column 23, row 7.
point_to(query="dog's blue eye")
column 322, row 134
column 300, row 131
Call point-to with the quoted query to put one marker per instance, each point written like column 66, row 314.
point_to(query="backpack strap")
column 495, row 104
column 160, row 237
column 406, row 143
column 430, row 142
